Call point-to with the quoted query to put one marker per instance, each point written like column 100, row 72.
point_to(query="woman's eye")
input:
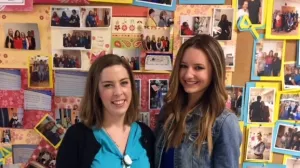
column 108, row 85
column 183, row 66
column 198, row 68
column 124, row 83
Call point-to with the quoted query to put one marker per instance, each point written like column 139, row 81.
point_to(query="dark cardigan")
column 79, row 146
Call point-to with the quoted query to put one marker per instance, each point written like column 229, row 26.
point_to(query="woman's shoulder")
column 78, row 130
column 227, row 117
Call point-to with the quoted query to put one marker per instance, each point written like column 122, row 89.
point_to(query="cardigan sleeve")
column 68, row 152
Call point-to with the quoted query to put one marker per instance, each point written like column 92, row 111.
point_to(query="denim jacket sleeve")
column 226, row 149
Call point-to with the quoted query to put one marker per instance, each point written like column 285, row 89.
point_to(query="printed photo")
column 11, row 117
column 289, row 106
column 261, row 104
column 156, row 40
column 138, row 85
column 193, row 25
column 229, row 53
column 5, row 136
column 145, row 118
column 63, row 16
column 291, row 76
column 158, row 62
column 66, row 59
column 159, row 18
column 158, row 89
column 75, row 39
column 96, row 16
column 254, row 9
column 268, row 58
column 22, row 36
column 132, row 56
column 292, row 163
column 39, row 71
column 67, row 117
column 259, row 143
column 222, row 23
column 50, row 130
column 288, row 138
column 235, row 99
column 285, row 18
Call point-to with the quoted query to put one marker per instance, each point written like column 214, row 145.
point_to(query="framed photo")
column 63, row 16
column 22, row 36
column 259, row 143
column 222, row 25
column 277, row 27
column 267, row 60
column 260, row 165
column 193, row 25
column 138, row 85
column 286, row 138
column 289, row 106
column 260, row 98
column 96, row 17
column 40, row 71
column 50, row 130
column 256, row 10
column 291, row 76
column 132, row 56
column 159, row 18
column 158, row 88
column 157, row 40
column 71, row 39
column 11, row 117
column 229, row 53
column 235, row 100
column 145, row 117
column 168, row 5
column 66, row 117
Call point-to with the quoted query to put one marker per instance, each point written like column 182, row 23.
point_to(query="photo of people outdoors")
column 132, row 56
column 259, row 143
column 6, row 136
column 39, row 72
column 22, row 36
column 158, row 89
column 44, row 159
column 288, row 138
column 11, row 117
column 285, row 17
column 222, row 23
column 145, row 118
column 261, row 104
column 156, row 40
column 96, row 17
column 77, row 39
column 65, row 17
column 67, row 116
column 268, row 58
column 159, row 18
column 235, row 99
column 193, row 25
column 289, row 108
column 67, row 59
column 254, row 9
column 51, row 131
column 291, row 76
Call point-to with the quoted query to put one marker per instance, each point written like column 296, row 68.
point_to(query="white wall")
column 279, row 3
column 25, row 27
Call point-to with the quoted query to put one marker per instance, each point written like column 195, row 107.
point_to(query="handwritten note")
column 37, row 100
column 69, row 83
column 10, row 80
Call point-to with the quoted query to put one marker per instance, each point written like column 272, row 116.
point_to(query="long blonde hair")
column 212, row 103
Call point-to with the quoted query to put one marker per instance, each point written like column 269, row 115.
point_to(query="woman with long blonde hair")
column 194, row 128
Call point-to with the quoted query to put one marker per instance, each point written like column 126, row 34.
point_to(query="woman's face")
column 245, row 5
column 115, row 90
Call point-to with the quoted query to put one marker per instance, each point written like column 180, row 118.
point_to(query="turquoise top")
column 110, row 156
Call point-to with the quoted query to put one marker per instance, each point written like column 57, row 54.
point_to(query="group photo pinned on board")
column 39, row 71
column 291, row 76
column 159, row 18
column 95, row 17
column 289, row 107
column 132, row 56
column 66, row 59
column 63, row 16
column 156, row 40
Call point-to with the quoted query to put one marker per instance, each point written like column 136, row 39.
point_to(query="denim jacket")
column 227, row 138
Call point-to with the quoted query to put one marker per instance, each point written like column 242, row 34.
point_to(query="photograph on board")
column 159, row 4
column 132, row 56
column 39, row 71
column 268, row 58
column 158, row 89
column 293, row 163
column 63, row 16
column 229, row 53
column 235, row 99
column 5, row 136
column 159, row 18
column 138, row 85
column 289, row 108
column 261, row 104
column 156, row 40
column 22, row 36
column 66, row 59
column 11, row 117
column 254, row 9
column 67, row 116
column 222, row 23
column 285, row 18
column 95, row 16
column 144, row 117
column 291, row 76
column 259, row 143
column 193, row 25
